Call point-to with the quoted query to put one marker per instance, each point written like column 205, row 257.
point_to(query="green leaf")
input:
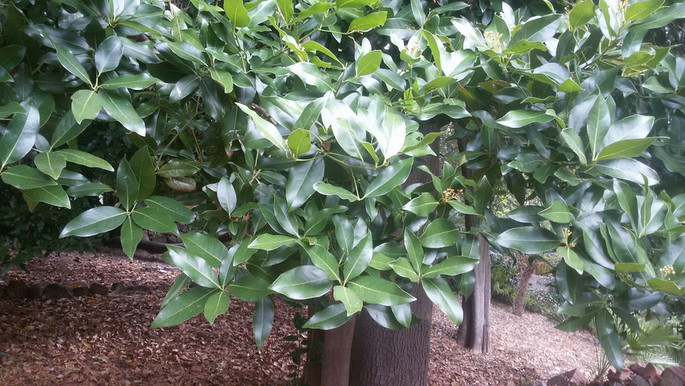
column 50, row 163
column 422, row 205
column 628, row 169
column 299, row 142
column 528, row 239
column 451, row 266
column 213, row 251
column 402, row 267
column 66, row 130
column 85, row 104
column 598, row 123
column 439, row 82
column 629, row 267
column 108, row 54
column 581, row 13
column 53, row 195
column 301, row 181
column 557, row 212
column 19, row 136
column 609, row 339
column 350, row 299
column 266, row 128
column 225, row 193
column 440, row 293
column 194, row 267
column 324, row 260
column 359, row 258
column 520, row 118
column 144, row 170
column 250, row 288
column 571, row 258
column 303, row 282
column 440, row 233
column 88, row 189
column 414, row 250
column 375, row 290
column 183, row 307
column 154, row 220
column 173, row 209
column 462, row 208
column 122, row 111
column 329, row 318
column 216, row 305
column 642, row 9
column 573, row 141
column 24, row 177
column 176, row 168
column 368, row 22
column 369, row 63
column 126, row 184
column 389, row 178
column 180, row 283
column 270, row 242
column 85, row 159
column 569, row 86
column 666, row 286
column 236, row 13
column 418, row 12
column 262, row 320
column 133, row 81
column 540, row 29
column 131, row 234
column 330, row 190
column 625, row 148
column 71, row 64
column 224, row 78
column 94, row 221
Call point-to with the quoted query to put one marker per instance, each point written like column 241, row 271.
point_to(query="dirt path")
column 106, row 339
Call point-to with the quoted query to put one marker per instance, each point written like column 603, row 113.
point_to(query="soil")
column 96, row 339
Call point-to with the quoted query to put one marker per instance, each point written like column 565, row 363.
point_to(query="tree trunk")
column 335, row 367
column 474, row 331
column 526, row 271
column 386, row 357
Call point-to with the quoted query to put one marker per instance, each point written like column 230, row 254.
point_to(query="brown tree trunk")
column 474, row 331
column 386, row 357
column 335, row 367
column 526, row 271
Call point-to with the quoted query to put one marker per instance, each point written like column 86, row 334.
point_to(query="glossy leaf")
column 154, row 220
column 266, row 128
column 625, row 148
column 236, row 13
column 172, row 208
column 85, row 159
column 131, row 235
column 85, row 104
column 194, row 267
column 183, row 307
column 250, row 288
column 414, row 250
column 303, row 282
column 108, row 54
column 440, row 233
column 225, row 193
column 451, row 266
column 213, row 251
column 216, row 305
column 262, row 320
column 299, row 142
column 50, row 163
column 389, row 178
column 53, row 195
column 379, row 291
column 403, row 268
column 94, row 221
column 528, row 239
column 369, row 63
column 329, row 190
column 422, row 205
column 72, row 64
column 358, row 258
column 301, row 181
column 557, row 212
column 19, row 136
column 571, row 258
column 25, row 177
column 440, row 293
column 324, row 260
column 132, row 81
column 349, row 298
column 121, row 110
column 329, row 318
column 370, row 21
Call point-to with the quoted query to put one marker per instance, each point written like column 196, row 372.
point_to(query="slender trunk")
column 386, row 357
column 474, row 332
column 524, row 279
column 335, row 367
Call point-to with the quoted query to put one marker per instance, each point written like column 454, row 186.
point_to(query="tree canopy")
column 283, row 131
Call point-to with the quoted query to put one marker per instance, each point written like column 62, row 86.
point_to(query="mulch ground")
column 107, row 339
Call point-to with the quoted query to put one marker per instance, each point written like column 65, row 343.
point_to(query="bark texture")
column 474, row 332
column 385, row 357
column 335, row 367
column 526, row 270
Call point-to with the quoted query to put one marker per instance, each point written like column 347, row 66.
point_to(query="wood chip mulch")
column 107, row 339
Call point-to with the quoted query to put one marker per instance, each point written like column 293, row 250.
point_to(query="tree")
column 289, row 128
